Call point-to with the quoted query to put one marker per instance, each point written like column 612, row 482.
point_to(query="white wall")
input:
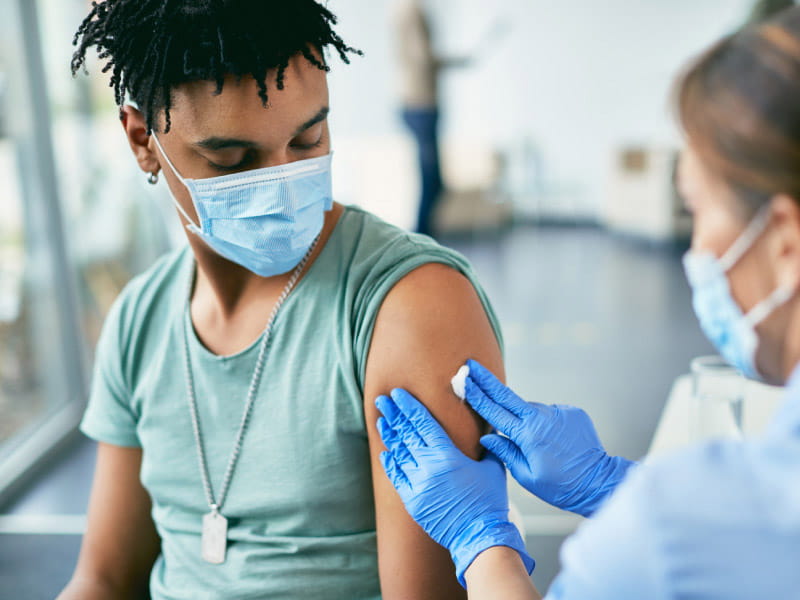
column 578, row 77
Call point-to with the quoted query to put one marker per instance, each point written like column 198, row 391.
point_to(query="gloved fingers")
column 399, row 422
column 391, row 465
column 426, row 426
column 491, row 457
column 393, row 442
column 388, row 409
column 496, row 389
column 496, row 415
column 577, row 417
column 505, row 449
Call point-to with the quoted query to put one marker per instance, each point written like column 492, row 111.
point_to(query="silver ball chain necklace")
column 214, row 540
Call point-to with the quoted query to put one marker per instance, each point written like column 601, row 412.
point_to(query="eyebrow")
column 318, row 118
column 223, row 143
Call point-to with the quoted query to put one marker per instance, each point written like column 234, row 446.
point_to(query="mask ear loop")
column 776, row 299
column 182, row 180
column 771, row 303
column 746, row 240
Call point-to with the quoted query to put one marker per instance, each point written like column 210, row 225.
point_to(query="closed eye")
column 316, row 144
column 246, row 160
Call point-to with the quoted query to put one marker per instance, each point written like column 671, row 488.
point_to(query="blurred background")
column 558, row 154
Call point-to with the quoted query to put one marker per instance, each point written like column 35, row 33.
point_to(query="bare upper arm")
column 121, row 543
column 429, row 325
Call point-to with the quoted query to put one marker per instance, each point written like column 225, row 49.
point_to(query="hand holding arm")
column 461, row 503
column 552, row 451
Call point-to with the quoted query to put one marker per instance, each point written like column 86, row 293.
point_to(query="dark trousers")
column 423, row 124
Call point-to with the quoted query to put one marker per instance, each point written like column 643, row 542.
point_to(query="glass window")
column 78, row 220
column 41, row 370
column 116, row 223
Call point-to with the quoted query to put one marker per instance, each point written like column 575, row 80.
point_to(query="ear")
column 784, row 245
column 135, row 126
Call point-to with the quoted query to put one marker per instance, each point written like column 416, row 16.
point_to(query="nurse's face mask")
column 731, row 331
column 264, row 219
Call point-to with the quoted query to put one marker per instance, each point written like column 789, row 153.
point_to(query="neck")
column 223, row 287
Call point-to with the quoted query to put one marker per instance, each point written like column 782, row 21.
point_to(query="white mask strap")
column 771, row 303
column 746, row 240
column 181, row 179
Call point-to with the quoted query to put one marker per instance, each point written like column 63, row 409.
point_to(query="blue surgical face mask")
column 732, row 332
column 264, row 219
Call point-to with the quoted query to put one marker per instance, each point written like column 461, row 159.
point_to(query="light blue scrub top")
column 721, row 521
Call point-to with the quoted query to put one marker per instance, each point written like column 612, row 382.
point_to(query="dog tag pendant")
column 214, row 540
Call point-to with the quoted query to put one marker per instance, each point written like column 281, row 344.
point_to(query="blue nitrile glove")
column 461, row 503
column 553, row 451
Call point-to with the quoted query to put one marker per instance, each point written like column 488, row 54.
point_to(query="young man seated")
column 234, row 385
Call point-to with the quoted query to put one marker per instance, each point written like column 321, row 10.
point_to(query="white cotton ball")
column 459, row 382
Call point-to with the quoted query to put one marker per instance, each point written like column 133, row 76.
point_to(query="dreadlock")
column 151, row 46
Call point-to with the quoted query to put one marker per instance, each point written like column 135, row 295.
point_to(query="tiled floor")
column 589, row 319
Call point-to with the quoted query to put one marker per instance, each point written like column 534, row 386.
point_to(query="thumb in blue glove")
column 552, row 451
column 461, row 503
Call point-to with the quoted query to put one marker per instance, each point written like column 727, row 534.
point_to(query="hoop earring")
column 153, row 179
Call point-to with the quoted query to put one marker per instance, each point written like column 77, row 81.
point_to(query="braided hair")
column 151, row 46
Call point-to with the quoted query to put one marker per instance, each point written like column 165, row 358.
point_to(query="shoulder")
column 428, row 326
column 433, row 296
column 163, row 279
column 417, row 281
column 381, row 254
column 143, row 302
column 371, row 231
column 421, row 293
column 432, row 310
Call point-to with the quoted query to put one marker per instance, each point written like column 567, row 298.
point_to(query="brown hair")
column 739, row 105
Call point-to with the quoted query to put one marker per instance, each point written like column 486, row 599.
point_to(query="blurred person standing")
column 420, row 68
column 764, row 9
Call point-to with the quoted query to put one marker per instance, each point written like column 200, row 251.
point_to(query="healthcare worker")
column 720, row 520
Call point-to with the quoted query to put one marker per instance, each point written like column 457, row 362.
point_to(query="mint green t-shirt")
column 300, row 505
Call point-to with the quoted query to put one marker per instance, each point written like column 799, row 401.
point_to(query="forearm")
column 499, row 573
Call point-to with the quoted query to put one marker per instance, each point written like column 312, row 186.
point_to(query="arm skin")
column 429, row 324
column 121, row 543
column 499, row 573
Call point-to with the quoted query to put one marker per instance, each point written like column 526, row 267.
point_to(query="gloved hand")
column 461, row 503
column 552, row 451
